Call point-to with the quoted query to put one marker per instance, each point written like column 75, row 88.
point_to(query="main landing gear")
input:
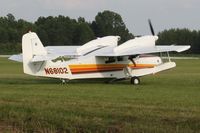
column 64, row 81
column 135, row 80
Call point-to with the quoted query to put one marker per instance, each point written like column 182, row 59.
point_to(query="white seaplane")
column 99, row 58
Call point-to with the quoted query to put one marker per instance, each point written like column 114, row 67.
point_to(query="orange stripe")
column 141, row 66
column 95, row 71
column 97, row 66
column 92, row 68
column 76, row 70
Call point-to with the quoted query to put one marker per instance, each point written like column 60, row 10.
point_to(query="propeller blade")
column 151, row 27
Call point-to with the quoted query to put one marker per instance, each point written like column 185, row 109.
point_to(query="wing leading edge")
column 144, row 50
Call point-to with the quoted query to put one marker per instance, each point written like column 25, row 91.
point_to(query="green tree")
column 181, row 37
column 83, row 33
column 62, row 30
column 110, row 23
column 56, row 30
column 10, row 17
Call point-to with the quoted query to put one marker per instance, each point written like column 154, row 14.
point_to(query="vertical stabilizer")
column 31, row 46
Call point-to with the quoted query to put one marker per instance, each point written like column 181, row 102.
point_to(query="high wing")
column 141, row 45
column 105, row 46
column 53, row 52
column 67, row 50
column 142, row 50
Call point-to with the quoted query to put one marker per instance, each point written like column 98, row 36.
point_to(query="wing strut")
column 168, row 56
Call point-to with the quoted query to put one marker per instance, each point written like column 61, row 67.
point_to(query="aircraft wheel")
column 64, row 81
column 135, row 80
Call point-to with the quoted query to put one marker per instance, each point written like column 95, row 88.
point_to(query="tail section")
column 32, row 46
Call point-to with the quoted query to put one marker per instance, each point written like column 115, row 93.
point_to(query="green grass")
column 167, row 102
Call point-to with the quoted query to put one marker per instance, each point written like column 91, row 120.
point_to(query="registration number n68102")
column 61, row 70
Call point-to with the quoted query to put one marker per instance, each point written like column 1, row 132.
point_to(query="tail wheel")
column 135, row 80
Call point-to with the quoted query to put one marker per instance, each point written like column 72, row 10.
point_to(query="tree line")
column 62, row 30
column 181, row 37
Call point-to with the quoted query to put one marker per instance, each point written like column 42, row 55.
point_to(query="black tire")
column 135, row 81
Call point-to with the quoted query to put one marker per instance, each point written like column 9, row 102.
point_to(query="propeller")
column 151, row 27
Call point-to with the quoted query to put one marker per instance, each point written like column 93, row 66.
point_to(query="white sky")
column 165, row 14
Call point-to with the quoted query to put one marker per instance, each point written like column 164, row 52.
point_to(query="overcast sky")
column 165, row 14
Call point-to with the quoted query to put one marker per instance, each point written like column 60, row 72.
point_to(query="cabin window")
column 120, row 58
column 110, row 60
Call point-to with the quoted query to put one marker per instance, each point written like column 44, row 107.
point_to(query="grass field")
column 168, row 102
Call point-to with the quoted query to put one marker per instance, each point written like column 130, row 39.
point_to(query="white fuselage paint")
column 95, row 67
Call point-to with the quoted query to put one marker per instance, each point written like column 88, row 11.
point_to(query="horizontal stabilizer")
column 17, row 58
column 39, row 58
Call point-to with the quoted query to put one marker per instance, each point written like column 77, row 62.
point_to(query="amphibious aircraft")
column 99, row 58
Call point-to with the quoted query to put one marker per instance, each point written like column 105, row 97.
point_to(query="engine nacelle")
column 140, row 42
column 98, row 43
